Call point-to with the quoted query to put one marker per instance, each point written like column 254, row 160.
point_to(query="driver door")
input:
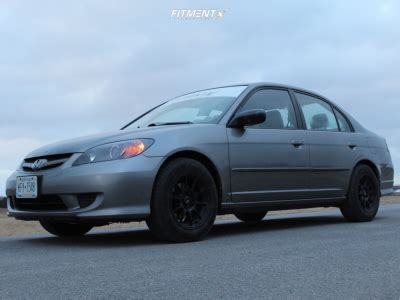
column 269, row 161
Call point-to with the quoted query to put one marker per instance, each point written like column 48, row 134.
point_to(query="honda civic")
column 241, row 149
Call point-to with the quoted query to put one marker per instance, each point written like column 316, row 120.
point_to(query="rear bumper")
column 120, row 191
column 387, row 175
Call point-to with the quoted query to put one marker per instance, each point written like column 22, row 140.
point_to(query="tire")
column 184, row 202
column 251, row 217
column 65, row 229
column 363, row 197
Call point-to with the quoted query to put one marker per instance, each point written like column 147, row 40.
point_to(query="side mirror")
column 248, row 117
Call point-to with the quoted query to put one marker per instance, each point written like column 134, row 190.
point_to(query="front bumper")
column 121, row 190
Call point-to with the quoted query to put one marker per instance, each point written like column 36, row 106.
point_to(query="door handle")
column 352, row 145
column 297, row 144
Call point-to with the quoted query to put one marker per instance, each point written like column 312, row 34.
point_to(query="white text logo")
column 197, row 14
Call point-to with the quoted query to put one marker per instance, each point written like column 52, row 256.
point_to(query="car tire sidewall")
column 65, row 229
column 251, row 216
column 353, row 210
column 162, row 221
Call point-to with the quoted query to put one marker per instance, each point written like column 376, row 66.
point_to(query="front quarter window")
column 207, row 106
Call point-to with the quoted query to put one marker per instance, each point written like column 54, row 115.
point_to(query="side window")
column 278, row 108
column 343, row 123
column 317, row 113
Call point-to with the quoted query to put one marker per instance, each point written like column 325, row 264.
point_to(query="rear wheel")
column 362, row 202
column 184, row 202
column 251, row 217
column 65, row 229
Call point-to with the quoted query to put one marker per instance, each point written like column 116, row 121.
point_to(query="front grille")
column 41, row 163
column 86, row 200
column 44, row 202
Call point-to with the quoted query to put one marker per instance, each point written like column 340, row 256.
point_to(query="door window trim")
column 345, row 117
column 268, row 87
column 331, row 105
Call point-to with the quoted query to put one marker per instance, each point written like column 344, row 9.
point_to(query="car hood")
column 83, row 144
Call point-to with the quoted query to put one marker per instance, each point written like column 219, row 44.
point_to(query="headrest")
column 273, row 120
column 319, row 121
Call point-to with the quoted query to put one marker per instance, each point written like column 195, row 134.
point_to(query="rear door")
column 269, row 161
column 333, row 146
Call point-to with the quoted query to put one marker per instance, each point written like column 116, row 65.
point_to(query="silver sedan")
column 243, row 149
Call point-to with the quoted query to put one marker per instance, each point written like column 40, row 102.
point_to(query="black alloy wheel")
column 189, row 202
column 363, row 197
column 184, row 202
column 367, row 193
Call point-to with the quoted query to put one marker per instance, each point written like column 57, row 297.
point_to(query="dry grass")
column 11, row 227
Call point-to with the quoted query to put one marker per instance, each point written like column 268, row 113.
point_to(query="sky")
column 72, row 68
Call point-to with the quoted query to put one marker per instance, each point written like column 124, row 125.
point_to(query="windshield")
column 206, row 106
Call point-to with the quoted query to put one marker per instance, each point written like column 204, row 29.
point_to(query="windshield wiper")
column 169, row 123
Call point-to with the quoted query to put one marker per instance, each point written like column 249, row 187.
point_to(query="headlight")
column 113, row 151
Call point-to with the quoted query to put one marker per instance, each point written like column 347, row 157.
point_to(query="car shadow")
column 143, row 237
column 268, row 225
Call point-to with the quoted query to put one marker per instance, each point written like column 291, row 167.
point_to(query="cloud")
column 69, row 69
column 11, row 154
column 4, row 174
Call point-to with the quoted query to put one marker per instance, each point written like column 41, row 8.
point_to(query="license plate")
column 27, row 187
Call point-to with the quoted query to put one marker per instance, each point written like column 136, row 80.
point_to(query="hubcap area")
column 189, row 205
column 367, row 193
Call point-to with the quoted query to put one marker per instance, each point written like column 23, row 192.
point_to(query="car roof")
column 261, row 84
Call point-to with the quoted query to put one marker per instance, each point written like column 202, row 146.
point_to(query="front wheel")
column 362, row 201
column 251, row 217
column 184, row 202
column 65, row 229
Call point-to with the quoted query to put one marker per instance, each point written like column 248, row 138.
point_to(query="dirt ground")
column 11, row 227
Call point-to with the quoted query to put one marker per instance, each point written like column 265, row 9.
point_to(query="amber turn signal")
column 133, row 149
